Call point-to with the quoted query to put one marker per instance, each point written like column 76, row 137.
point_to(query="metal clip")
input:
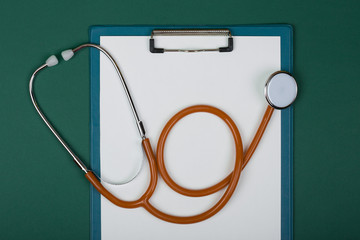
column 191, row 32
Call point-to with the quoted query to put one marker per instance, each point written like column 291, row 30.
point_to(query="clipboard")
column 150, row 82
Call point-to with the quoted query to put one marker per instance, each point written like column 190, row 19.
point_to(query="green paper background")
column 42, row 194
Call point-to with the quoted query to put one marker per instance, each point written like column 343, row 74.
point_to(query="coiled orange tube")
column 231, row 180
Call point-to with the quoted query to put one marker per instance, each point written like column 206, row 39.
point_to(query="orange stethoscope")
column 280, row 92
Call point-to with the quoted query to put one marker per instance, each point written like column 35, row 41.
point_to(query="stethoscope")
column 280, row 92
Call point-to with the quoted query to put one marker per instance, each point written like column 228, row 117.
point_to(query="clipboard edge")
column 285, row 31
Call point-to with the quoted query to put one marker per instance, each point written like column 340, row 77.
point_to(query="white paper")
column 199, row 150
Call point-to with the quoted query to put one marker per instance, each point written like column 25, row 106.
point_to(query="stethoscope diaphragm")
column 280, row 90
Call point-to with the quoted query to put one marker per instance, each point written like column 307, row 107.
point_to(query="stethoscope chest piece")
column 280, row 90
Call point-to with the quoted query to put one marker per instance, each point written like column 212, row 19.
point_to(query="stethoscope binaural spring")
column 280, row 92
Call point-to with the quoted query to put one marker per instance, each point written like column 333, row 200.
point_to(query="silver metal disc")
column 280, row 90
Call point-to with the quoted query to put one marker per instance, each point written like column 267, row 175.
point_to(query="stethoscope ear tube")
column 50, row 63
column 67, row 55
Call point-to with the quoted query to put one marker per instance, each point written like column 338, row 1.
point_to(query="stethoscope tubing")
column 231, row 180
column 157, row 164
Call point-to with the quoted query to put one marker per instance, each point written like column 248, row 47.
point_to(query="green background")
column 44, row 196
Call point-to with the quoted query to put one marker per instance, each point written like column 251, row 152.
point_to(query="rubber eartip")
column 52, row 61
column 67, row 54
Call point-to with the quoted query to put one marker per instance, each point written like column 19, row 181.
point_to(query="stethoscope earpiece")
column 280, row 90
column 67, row 54
column 52, row 61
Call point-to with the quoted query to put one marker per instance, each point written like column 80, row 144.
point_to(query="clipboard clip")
column 191, row 32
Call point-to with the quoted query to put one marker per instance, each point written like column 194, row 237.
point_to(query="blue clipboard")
column 285, row 32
